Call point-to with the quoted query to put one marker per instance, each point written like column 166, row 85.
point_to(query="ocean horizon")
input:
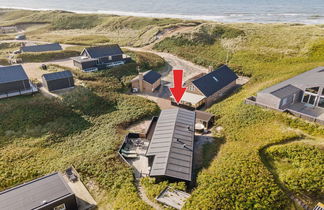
column 231, row 11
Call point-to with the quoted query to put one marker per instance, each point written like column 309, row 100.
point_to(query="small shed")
column 58, row 80
column 204, row 118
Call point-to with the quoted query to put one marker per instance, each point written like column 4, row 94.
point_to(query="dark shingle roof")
column 42, row 48
column 172, row 144
column 12, row 73
column 104, row 51
column 215, row 81
column 201, row 115
column 285, row 91
column 151, row 76
column 31, row 195
column 57, row 75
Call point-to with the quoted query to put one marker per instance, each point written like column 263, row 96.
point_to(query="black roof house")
column 13, row 79
column 42, row 48
column 43, row 193
column 58, row 80
column 103, row 51
column 215, row 80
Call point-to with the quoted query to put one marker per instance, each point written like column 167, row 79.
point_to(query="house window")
column 284, row 101
column 323, row 92
column 321, row 102
column 215, row 79
column 192, row 88
column 110, row 58
column 305, row 98
column 60, row 207
column 313, row 90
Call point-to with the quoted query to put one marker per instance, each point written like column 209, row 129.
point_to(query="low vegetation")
column 147, row 60
column 299, row 167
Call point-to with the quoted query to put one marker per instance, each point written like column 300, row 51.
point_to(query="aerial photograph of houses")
column 138, row 105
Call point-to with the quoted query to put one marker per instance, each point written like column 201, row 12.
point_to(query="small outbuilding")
column 204, row 118
column 146, row 82
column 58, row 80
column 45, row 193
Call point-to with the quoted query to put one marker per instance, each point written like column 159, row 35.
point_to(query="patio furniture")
column 70, row 174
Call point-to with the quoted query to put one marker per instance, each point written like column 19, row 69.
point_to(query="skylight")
column 215, row 79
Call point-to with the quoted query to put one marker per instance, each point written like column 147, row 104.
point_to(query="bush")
column 299, row 167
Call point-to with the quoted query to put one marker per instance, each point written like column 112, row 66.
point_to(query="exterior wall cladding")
column 70, row 203
column 219, row 94
column 211, row 99
column 85, row 65
column 14, row 86
column 147, row 87
column 113, row 59
column 277, row 103
column 58, row 84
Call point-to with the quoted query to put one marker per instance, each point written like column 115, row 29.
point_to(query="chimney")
column 210, row 69
column 140, row 79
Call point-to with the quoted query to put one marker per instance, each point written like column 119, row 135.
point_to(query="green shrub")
column 299, row 167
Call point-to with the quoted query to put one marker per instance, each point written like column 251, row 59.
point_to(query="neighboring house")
column 58, row 80
column 146, row 82
column 100, row 57
column 41, row 48
column 14, row 81
column 50, row 192
column 170, row 152
column 302, row 95
column 206, row 89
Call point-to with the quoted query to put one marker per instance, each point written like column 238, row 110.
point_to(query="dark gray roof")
column 172, row 144
column 205, row 116
column 57, row 75
column 32, row 194
column 285, row 91
column 42, row 48
column 312, row 78
column 151, row 76
column 12, row 74
column 104, row 51
column 215, row 80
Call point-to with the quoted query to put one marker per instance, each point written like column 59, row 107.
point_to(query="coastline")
column 228, row 18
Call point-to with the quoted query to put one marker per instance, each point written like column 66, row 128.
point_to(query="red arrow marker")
column 177, row 90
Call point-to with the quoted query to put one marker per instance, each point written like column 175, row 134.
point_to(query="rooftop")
column 191, row 98
column 172, row 144
column 215, row 80
column 312, row 78
column 203, row 115
column 12, row 74
column 57, row 75
column 32, row 194
column 150, row 76
column 42, row 48
column 104, row 51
